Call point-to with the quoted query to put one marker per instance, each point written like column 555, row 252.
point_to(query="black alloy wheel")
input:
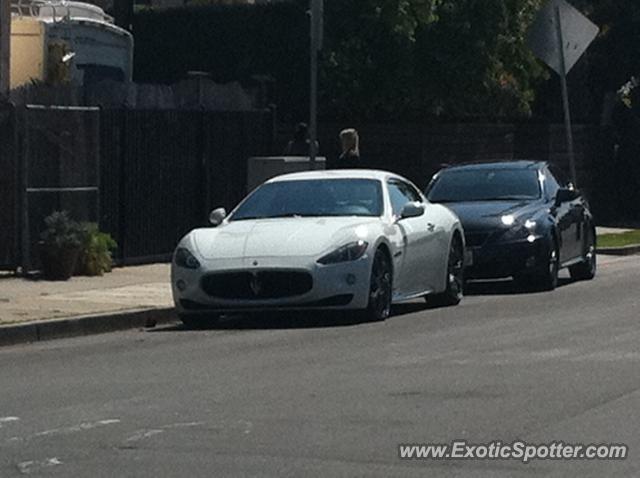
column 547, row 278
column 381, row 288
column 454, row 291
column 586, row 270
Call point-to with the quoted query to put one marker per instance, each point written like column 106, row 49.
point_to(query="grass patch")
column 619, row 240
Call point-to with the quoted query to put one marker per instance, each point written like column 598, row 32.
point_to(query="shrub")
column 97, row 248
column 61, row 231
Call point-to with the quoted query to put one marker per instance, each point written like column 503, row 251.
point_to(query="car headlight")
column 184, row 258
column 508, row 220
column 520, row 230
column 351, row 252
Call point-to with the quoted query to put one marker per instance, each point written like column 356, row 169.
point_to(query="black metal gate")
column 8, row 189
column 59, row 169
column 162, row 171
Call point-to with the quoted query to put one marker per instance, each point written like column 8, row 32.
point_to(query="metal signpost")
column 317, row 28
column 559, row 36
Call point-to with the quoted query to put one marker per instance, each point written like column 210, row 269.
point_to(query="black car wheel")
column 454, row 291
column 547, row 277
column 381, row 288
column 198, row 321
column 586, row 270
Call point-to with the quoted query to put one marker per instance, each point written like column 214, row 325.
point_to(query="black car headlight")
column 520, row 230
column 351, row 252
column 184, row 258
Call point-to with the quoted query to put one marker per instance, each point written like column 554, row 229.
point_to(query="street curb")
column 620, row 251
column 84, row 325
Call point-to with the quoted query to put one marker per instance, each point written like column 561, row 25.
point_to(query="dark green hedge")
column 233, row 43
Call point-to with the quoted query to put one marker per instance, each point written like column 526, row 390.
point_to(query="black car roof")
column 519, row 164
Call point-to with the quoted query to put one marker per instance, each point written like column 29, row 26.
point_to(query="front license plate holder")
column 468, row 257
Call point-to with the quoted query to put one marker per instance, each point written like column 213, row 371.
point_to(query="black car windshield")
column 485, row 185
column 313, row 198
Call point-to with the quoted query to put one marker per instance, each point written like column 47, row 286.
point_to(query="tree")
column 368, row 61
column 432, row 57
column 474, row 60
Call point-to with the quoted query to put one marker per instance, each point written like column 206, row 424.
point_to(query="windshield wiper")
column 256, row 218
column 509, row 198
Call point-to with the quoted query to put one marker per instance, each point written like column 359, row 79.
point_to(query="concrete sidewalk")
column 125, row 297
column 129, row 288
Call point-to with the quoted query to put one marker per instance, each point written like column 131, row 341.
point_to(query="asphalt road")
column 302, row 396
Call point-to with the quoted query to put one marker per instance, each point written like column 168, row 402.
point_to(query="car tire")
column 454, row 291
column 380, row 288
column 546, row 278
column 586, row 270
column 198, row 321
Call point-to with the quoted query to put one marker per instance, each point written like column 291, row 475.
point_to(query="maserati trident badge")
column 255, row 284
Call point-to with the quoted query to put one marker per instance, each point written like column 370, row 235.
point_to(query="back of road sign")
column 577, row 32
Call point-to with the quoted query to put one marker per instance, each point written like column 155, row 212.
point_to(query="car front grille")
column 257, row 285
column 476, row 239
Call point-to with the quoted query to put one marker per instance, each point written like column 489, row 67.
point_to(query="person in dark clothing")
column 300, row 145
column 350, row 156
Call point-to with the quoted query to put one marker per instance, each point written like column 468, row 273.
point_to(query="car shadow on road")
column 336, row 319
column 507, row 287
column 294, row 320
column 274, row 321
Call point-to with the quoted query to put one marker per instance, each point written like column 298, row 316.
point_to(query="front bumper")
column 336, row 286
column 496, row 260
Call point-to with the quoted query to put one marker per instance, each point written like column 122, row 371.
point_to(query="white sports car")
column 356, row 240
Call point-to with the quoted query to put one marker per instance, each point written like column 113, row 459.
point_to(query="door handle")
column 431, row 226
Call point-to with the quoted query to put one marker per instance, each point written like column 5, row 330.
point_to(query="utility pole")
column 5, row 48
column 317, row 27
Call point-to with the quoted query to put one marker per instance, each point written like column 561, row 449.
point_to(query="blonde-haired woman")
column 350, row 156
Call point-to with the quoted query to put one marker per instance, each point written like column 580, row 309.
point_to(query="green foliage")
column 61, row 231
column 436, row 57
column 97, row 248
column 475, row 61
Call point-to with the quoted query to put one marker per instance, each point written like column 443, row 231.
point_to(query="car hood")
column 480, row 215
column 281, row 237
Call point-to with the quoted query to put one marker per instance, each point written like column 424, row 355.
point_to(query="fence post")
column 204, row 164
column 23, row 164
column 122, row 186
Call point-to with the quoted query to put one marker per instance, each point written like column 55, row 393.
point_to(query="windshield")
column 313, row 198
column 485, row 185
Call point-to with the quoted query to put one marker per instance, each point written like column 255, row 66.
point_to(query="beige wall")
column 27, row 52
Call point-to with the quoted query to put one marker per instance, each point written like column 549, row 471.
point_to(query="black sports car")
column 520, row 220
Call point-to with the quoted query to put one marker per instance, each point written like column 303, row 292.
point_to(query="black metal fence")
column 8, row 189
column 163, row 171
column 59, row 169
column 160, row 173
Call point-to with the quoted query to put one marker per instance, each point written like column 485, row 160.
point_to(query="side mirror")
column 566, row 195
column 217, row 216
column 412, row 209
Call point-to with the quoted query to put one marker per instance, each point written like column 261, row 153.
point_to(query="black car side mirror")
column 566, row 195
